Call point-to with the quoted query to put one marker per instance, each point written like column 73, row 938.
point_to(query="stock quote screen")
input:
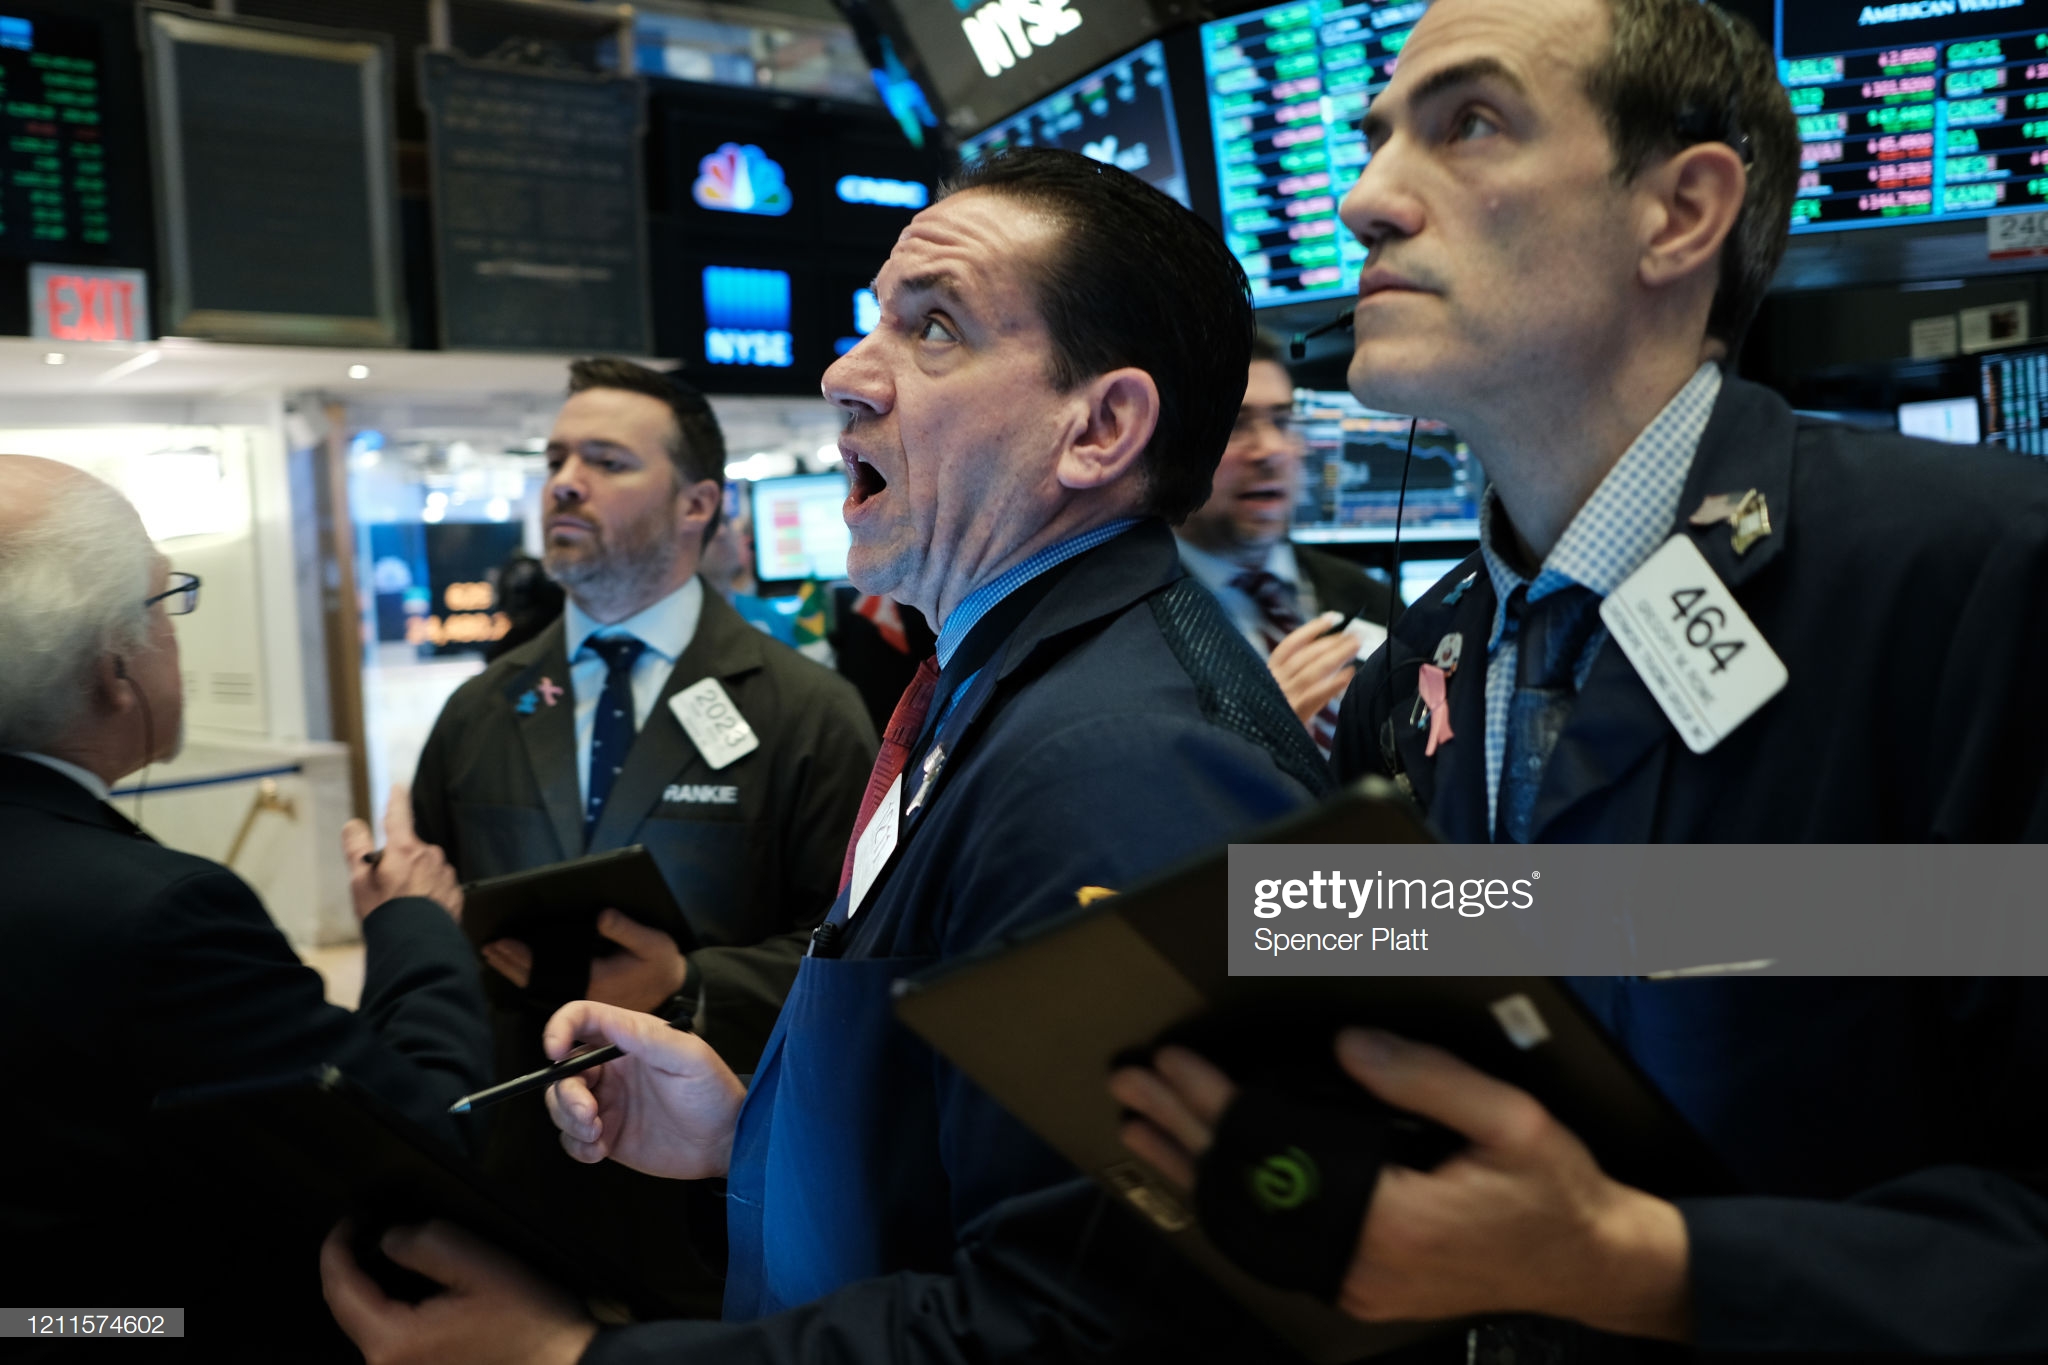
column 1351, row 475
column 1288, row 88
column 2014, row 390
column 53, row 172
column 1916, row 112
column 1121, row 115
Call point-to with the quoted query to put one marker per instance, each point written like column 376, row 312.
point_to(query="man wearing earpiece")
column 1573, row 210
column 135, row 969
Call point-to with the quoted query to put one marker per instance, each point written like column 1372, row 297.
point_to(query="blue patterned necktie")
column 611, row 733
column 1553, row 636
column 1279, row 607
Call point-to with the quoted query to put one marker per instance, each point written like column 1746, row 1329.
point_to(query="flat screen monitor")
column 1287, row 89
column 1121, row 114
column 1916, row 112
column 1351, row 475
column 1418, row 576
column 799, row 531
column 2013, row 389
column 1953, row 420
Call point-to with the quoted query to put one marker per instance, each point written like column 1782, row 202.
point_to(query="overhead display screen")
column 2014, row 392
column 1288, row 87
column 53, row 172
column 1121, row 115
column 1916, row 112
column 1351, row 475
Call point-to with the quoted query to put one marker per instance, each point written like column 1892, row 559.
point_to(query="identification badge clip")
column 713, row 723
column 1692, row 644
column 877, row 842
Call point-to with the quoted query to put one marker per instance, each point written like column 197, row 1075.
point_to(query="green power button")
column 1286, row 1181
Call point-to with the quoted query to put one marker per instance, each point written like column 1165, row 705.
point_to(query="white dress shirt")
column 91, row 781
column 666, row 628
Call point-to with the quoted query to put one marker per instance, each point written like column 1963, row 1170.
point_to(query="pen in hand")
column 574, row 1064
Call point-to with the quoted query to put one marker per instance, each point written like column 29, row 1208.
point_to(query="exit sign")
column 73, row 304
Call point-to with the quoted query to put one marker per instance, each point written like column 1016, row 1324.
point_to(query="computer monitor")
column 1288, row 87
column 1953, row 420
column 1418, row 576
column 799, row 532
column 1351, row 475
column 2013, row 389
column 1121, row 114
column 1915, row 112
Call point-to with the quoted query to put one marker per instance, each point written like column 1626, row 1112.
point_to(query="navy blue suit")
column 881, row 1207
column 1891, row 1129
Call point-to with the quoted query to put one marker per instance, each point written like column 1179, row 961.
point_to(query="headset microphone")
column 1298, row 347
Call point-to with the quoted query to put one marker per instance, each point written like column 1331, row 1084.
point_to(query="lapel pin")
column 1748, row 514
column 1448, row 651
column 527, row 702
column 1451, row 597
column 1433, row 694
column 550, row 691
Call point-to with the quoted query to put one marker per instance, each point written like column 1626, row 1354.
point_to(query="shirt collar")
column 1217, row 572
column 979, row 602
column 91, row 781
column 665, row 627
column 1627, row 518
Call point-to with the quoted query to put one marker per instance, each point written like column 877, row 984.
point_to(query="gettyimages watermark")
column 1666, row 910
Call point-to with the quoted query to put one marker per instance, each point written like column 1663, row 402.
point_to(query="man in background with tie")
column 577, row 742
column 1285, row 598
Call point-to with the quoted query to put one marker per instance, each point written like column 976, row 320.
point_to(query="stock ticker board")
column 53, row 174
column 1288, row 89
column 1916, row 112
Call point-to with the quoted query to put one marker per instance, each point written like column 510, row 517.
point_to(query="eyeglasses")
column 180, row 599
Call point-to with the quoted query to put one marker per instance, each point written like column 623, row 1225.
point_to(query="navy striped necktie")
column 1549, row 647
column 611, row 733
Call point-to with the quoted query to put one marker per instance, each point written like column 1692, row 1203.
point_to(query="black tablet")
column 554, row 909
column 314, row 1147
column 1040, row 1021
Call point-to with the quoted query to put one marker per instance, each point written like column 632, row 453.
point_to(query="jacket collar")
column 26, row 783
column 1098, row 584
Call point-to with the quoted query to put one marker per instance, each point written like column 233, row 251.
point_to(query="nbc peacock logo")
column 740, row 178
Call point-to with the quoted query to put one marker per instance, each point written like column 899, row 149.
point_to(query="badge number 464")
column 1692, row 644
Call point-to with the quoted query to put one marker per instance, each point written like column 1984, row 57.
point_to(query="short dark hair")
column 696, row 451
column 1680, row 72
column 1137, row 280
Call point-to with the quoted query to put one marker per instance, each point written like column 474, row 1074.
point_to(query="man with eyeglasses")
column 142, row 969
column 1286, row 599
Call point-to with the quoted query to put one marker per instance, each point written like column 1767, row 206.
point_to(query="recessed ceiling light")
column 54, row 357
column 359, row 372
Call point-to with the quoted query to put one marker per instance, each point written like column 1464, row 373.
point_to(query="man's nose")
column 1381, row 205
column 858, row 382
column 565, row 485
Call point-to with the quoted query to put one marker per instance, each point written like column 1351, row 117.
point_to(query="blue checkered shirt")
column 983, row 599
column 1622, row 524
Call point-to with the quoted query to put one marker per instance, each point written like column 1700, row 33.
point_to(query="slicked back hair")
column 696, row 451
column 1136, row 280
column 1679, row 65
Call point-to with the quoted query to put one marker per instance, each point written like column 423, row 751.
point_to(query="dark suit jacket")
column 1905, row 585
column 928, row 1224
column 1341, row 585
column 139, row 969
column 496, row 788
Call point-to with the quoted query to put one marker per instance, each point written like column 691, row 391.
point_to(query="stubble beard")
column 611, row 581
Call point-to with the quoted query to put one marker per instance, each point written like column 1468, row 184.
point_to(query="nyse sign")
column 1003, row 32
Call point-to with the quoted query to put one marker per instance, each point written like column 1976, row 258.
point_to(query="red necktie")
column 904, row 724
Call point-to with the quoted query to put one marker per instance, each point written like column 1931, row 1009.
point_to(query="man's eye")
column 1471, row 125
column 935, row 330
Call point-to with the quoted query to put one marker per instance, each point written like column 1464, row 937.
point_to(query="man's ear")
column 1691, row 204
column 1122, row 414
column 112, row 691
column 696, row 504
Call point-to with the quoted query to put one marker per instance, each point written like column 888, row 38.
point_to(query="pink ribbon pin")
column 550, row 691
column 1431, row 686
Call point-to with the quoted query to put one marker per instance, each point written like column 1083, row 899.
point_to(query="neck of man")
column 108, row 745
column 615, row 599
column 1545, row 452
column 972, row 568
column 1220, row 538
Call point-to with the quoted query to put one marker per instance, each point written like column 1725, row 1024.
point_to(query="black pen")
column 574, row 1064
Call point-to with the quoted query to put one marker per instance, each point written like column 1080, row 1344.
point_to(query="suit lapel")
column 724, row 647
column 544, row 710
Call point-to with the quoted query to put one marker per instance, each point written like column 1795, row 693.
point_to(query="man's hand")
column 667, row 1108
column 492, row 1312
column 650, row 970
column 406, row 867
column 1314, row 667
column 1521, row 1221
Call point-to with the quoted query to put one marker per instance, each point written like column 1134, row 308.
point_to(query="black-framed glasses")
column 180, row 598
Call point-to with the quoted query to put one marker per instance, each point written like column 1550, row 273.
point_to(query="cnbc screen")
column 1916, row 112
column 1287, row 89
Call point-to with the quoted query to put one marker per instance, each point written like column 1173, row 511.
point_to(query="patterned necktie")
column 904, row 724
column 1552, row 637
column 1280, row 609
column 611, row 732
